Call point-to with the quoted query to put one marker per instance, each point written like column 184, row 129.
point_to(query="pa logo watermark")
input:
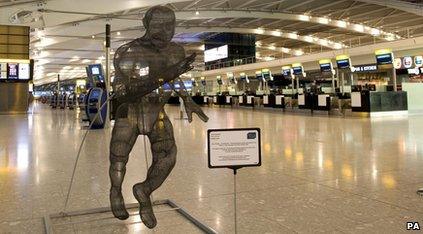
column 414, row 226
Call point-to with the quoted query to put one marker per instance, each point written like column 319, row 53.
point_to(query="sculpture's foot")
column 118, row 204
column 146, row 210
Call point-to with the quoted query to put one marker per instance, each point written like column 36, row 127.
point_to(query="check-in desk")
column 367, row 101
column 279, row 101
column 323, row 102
column 221, row 100
column 268, row 100
column 306, row 101
column 241, row 100
column 246, row 100
column 205, row 100
column 199, row 100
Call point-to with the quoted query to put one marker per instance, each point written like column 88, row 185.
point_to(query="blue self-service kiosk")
column 94, row 110
column 96, row 97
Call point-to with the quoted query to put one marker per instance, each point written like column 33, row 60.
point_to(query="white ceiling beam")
column 246, row 3
column 193, row 3
column 413, row 8
column 298, row 5
column 323, row 6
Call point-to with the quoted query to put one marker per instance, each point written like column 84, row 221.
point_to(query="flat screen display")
column 203, row 82
column 12, row 71
column 343, row 63
column 95, row 69
column 266, row 75
column 297, row 70
column 286, row 72
column 216, row 53
column 219, row 82
column 384, row 59
column 24, row 71
column 325, row 67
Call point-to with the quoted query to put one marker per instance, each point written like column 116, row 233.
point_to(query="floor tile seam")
column 380, row 201
column 277, row 223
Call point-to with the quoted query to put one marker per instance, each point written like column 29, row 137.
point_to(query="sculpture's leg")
column 124, row 136
column 163, row 149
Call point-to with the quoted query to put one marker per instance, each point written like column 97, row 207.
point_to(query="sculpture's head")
column 159, row 23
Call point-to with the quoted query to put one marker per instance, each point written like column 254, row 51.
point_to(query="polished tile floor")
column 319, row 174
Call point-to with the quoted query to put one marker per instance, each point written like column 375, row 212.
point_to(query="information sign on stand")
column 234, row 148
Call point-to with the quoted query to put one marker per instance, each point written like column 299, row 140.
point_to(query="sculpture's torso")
column 139, row 60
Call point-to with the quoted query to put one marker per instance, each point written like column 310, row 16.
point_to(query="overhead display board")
column 343, row 62
column 231, row 77
column 16, row 69
column 259, row 75
column 234, row 148
column 384, row 57
column 325, row 65
column 286, row 70
column 297, row 69
column 267, row 74
column 244, row 77
column 219, row 80
column 217, row 53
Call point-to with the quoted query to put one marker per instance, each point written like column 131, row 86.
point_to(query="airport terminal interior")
column 211, row 116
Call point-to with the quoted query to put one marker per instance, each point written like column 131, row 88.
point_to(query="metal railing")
column 231, row 63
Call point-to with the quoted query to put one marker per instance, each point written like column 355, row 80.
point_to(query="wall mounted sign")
column 418, row 61
column 365, row 68
column 407, row 62
column 397, row 63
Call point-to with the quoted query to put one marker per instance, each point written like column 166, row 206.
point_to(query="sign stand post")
column 235, row 210
column 234, row 149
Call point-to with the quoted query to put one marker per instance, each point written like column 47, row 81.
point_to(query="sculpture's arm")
column 127, row 88
column 190, row 105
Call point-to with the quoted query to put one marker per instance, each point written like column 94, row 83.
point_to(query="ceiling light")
column 304, row 17
column 259, row 31
column 118, row 33
column 197, row 12
column 74, row 59
column 323, row 20
column 92, row 36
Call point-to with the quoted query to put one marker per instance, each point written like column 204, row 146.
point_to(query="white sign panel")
column 278, row 99
column 216, row 53
column 234, row 148
column 265, row 99
column 24, row 73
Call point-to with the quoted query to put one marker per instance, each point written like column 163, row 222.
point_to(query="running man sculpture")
column 142, row 67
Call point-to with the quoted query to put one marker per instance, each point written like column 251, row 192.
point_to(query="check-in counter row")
column 314, row 101
column 275, row 101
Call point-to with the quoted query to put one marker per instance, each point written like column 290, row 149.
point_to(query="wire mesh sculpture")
column 142, row 67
